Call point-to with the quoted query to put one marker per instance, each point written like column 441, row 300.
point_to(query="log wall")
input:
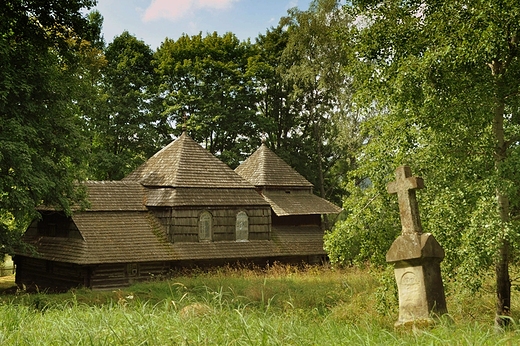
column 113, row 275
column 297, row 220
column 35, row 272
column 60, row 276
column 182, row 225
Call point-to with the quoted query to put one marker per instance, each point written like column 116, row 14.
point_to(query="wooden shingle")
column 123, row 237
column 288, row 192
column 115, row 195
column 299, row 240
column 108, row 237
column 179, row 197
column 265, row 168
column 150, row 220
column 184, row 163
column 290, row 203
column 57, row 249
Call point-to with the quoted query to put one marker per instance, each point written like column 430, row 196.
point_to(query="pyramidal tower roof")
column 184, row 163
column 265, row 168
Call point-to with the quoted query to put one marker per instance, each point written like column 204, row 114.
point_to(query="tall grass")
column 281, row 306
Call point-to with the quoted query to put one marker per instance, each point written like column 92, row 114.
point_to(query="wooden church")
column 181, row 208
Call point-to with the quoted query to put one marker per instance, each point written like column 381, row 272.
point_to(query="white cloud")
column 175, row 9
column 220, row 4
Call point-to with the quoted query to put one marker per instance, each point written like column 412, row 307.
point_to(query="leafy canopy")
column 436, row 78
column 40, row 141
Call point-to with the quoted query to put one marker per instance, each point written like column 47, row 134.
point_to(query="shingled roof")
column 286, row 190
column 116, row 227
column 107, row 237
column 184, row 163
column 114, row 240
column 170, row 197
column 284, row 204
column 264, row 168
column 115, row 196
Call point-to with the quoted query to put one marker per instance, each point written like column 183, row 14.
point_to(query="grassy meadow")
column 282, row 305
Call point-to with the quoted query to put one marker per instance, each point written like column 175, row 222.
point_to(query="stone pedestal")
column 416, row 258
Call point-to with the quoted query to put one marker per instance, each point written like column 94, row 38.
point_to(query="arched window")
column 205, row 225
column 242, row 227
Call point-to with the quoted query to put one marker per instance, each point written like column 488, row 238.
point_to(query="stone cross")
column 405, row 186
column 416, row 257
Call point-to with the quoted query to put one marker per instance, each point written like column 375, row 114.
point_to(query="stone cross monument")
column 416, row 257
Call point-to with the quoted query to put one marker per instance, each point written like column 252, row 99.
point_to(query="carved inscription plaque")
column 412, row 293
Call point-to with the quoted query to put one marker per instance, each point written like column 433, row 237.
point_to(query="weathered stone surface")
column 413, row 303
column 404, row 186
column 410, row 246
column 421, row 293
column 416, row 257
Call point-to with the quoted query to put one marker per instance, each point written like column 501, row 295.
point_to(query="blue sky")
column 154, row 20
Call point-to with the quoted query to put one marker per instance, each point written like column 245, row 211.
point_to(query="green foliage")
column 439, row 84
column 206, row 84
column 41, row 143
column 288, row 87
column 312, row 71
column 93, row 32
column 367, row 232
column 386, row 294
column 283, row 305
column 274, row 104
column 126, row 127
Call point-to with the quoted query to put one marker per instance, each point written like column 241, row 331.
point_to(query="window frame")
column 205, row 235
column 240, row 232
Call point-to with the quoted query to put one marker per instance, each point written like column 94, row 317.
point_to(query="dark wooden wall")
column 35, row 272
column 182, row 225
column 60, row 276
column 42, row 274
column 53, row 224
column 113, row 275
column 297, row 220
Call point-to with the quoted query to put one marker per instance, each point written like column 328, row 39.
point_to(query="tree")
column 206, row 85
column 444, row 78
column 40, row 140
column 93, row 31
column 88, row 90
column 313, row 63
column 128, row 128
column 274, row 104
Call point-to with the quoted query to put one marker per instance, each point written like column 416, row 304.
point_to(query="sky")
column 153, row 20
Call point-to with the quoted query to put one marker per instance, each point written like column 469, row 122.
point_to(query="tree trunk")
column 503, row 289
column 503, row 286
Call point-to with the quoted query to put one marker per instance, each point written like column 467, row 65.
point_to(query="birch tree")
column 444, row 76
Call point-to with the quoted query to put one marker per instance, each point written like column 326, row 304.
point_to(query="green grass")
column 281, row 306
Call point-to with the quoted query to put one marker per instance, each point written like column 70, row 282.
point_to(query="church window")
column 205, row 225
column 242, row 227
